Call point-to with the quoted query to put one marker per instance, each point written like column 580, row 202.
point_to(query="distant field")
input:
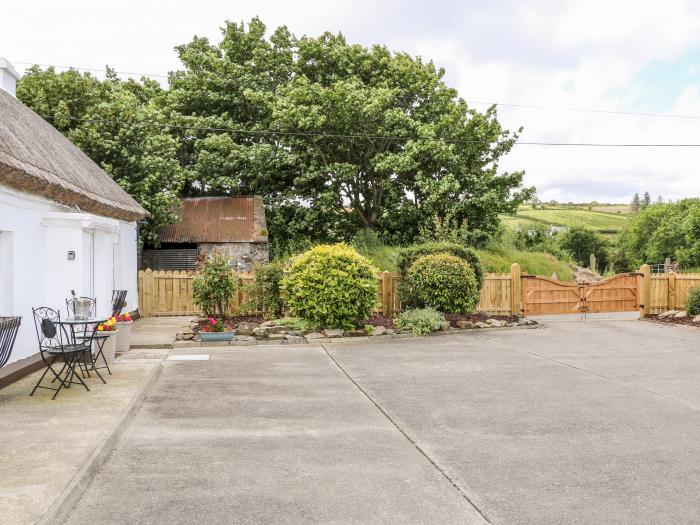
column 603, row 219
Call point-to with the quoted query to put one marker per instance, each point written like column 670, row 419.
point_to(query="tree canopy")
column 335, row 137
column 116, row 124
column 581, row 243
column 664, row 230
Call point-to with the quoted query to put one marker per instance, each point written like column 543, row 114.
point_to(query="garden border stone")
column 356, row 339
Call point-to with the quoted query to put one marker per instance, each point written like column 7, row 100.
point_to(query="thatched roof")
column 36, row 158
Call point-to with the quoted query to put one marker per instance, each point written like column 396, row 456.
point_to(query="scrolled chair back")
column 47, row 328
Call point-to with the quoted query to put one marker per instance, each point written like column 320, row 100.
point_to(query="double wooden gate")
column 542, row 295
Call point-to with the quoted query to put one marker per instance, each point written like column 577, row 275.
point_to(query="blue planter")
column 216, row 336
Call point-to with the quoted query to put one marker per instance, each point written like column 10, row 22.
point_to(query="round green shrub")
column 332, row 286
column 692, row 306
column 444, row 282
column 408, row 255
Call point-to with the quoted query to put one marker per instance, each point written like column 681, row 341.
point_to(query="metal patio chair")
column 55, row 346
column 8, row 333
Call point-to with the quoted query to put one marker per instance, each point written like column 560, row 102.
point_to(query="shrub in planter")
column 265, row 294
column 331, row 286
column 214, row 285
column 692, row 305
column 421, row 321
column 444, row 282
column 407, row 256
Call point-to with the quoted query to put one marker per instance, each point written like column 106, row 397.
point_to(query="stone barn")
column 234, row 226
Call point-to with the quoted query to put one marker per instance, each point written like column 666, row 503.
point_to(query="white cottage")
column 64, row 224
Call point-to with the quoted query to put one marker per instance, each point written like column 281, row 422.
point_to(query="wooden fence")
column 670, row 291
column 170, row 293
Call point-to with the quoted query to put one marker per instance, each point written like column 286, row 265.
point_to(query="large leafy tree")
column 338, row 137
column 384, row 143
column 121, row 126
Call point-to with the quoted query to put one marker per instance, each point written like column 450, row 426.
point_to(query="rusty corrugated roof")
column 213, row 219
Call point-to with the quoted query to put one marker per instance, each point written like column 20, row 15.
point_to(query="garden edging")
column 375, row 338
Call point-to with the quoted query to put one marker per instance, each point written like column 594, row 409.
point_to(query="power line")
column 587, row 183
column 586, row 110
column 97, row 70
column 503, row 104
column 379, row 137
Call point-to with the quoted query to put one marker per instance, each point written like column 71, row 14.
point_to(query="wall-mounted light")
column 71, row 255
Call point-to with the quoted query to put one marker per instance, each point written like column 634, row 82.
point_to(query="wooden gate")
column 542, row 295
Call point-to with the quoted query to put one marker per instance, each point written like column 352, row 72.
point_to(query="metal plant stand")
column 8, row 333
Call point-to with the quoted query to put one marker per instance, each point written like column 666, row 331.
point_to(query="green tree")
column 386, row 139
column 646, row 200
column 636, row 203
column 664, row 230
column 581, row 243
column 119, row 126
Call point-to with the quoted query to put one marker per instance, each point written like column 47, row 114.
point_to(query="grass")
column 608, row 222
column 499, row 260
column 496, row 260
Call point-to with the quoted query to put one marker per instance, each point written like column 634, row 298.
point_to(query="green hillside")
column 606, row 222
column 496, row 259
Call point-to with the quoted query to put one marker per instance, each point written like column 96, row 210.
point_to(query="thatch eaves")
column 36, row 158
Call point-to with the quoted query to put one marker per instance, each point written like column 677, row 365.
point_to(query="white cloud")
column 554, row 53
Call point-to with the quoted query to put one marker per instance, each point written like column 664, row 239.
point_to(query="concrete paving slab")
column 44, row 444
column 582, row 422
column 157, row 332
column 266, row 435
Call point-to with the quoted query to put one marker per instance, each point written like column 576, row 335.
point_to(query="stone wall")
column 242, row 254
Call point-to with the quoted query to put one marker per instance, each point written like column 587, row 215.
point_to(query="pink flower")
column 212, row 320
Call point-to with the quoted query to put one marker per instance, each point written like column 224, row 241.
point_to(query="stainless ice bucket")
column 81, row 308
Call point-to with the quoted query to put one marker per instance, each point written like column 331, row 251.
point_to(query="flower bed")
column 230, row 323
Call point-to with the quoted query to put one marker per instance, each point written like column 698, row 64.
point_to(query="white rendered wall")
column 35, row 238
column 127, row 266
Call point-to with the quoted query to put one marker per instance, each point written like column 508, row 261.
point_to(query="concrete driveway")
column 579, row 422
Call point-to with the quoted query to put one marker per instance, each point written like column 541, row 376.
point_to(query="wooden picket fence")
column 164, row 293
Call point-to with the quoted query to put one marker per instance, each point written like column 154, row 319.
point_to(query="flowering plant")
column 108, row 325
column 213, row 326
column 124, row 318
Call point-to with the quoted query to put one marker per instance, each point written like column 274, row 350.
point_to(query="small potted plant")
column 108, row 331
column 215, row 330
column 124, row 323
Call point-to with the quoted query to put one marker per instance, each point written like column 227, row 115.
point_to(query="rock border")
column 302, row 340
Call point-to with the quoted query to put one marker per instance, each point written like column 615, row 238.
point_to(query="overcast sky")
column 627, row 56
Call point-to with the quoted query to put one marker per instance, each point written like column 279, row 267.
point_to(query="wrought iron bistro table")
column 84, row 329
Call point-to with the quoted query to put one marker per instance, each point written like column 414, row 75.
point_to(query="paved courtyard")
column 579, row 422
